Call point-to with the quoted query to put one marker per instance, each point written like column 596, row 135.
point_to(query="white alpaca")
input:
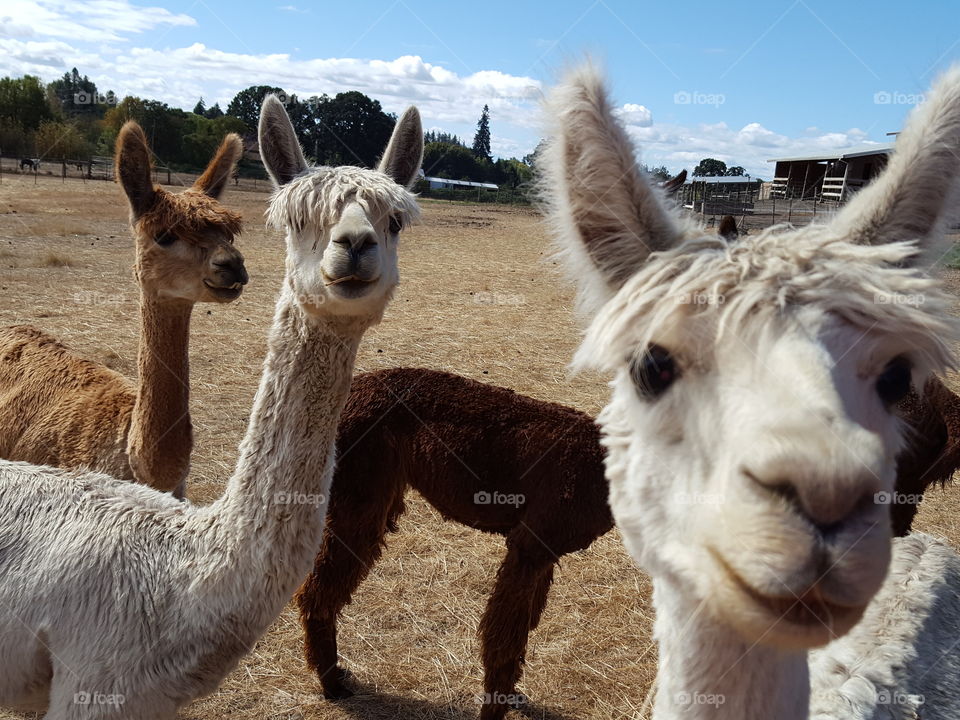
column 750, row 424
column 119, row 601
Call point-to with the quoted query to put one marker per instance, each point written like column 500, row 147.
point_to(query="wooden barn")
column 722, row 195
column 828, row 176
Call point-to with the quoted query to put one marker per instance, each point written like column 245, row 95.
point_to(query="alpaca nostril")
column 827, row 503
column 233, row 271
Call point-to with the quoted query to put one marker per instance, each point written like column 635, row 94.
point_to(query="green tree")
column 200, row 108
column 246, row 104
column 78, row 95
column 658, row 173
column 23, row 103
column 213, row 112
column 453, row 162
column 710, row 167
column 60, row 141
column 481, row 141
column 736, row 170
column 348, row 129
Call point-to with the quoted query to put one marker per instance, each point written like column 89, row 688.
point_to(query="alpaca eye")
column 395, row 224
column 894, row 382
column 165, row 238
column 654, row 371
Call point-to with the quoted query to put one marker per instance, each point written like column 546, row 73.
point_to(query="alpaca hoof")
column 337, row 693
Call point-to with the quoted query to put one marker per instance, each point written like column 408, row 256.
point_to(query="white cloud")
column 84, row 20
column 637, row 115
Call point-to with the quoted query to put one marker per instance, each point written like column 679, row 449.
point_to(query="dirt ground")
column 478, row 297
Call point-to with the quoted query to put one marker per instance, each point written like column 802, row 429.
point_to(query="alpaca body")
column 483, row 456
column 176, row 615
column 59, row 409
column 112, row 590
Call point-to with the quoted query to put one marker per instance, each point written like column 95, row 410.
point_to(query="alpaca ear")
column 606, row 214
column 675, row 183
column 911, row 199
column 279, row 148
column 133, row 166
column 404, row 154
column 220, row 169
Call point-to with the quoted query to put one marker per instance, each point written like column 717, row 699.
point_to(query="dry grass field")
column 477, row 297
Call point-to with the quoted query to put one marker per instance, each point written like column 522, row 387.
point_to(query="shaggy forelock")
column 317, row 197
column 186, row 214
column 751, row 283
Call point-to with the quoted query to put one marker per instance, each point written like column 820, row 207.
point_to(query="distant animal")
column 483, row 456
column 32, row 164
column 120, row 594
column 58, row 408
column 751, row 441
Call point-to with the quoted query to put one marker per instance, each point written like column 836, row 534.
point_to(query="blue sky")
column 740, row 81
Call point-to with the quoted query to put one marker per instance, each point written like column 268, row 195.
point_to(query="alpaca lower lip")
column 225, row 292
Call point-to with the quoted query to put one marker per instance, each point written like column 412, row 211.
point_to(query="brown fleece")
column 457, row 442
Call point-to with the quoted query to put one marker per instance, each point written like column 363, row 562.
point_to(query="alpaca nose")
column 356, row 244
column 822, row 495
column 231, row 271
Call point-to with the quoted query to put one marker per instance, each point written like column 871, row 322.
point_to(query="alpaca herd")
column 799, row 399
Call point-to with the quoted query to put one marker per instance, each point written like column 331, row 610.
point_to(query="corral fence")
column 752, row 213
column 503, row 195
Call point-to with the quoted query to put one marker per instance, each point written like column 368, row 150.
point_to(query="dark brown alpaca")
column 933, row 454
column 483, row 456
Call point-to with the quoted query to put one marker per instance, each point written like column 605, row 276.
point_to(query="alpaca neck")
column 707, row 671
column 160, row 439
column 272, row 513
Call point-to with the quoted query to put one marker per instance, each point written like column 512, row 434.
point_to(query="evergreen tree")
column 213, row 112
column 200, row 108
column 481, row 141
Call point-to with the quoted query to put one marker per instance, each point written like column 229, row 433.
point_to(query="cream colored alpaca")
column 58, row 408
column 751, row 424
column 119, row 601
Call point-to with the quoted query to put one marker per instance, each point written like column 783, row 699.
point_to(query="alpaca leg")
column 514, row 609
column 353, row 542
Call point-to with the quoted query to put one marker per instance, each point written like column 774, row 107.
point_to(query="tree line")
column 71, row 119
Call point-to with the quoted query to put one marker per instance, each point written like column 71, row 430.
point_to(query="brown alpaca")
column 483, row 456
column 57, row 408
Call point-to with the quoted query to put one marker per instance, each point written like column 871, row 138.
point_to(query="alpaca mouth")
column 806, row 613
column 349, row 285
column 225, row 293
